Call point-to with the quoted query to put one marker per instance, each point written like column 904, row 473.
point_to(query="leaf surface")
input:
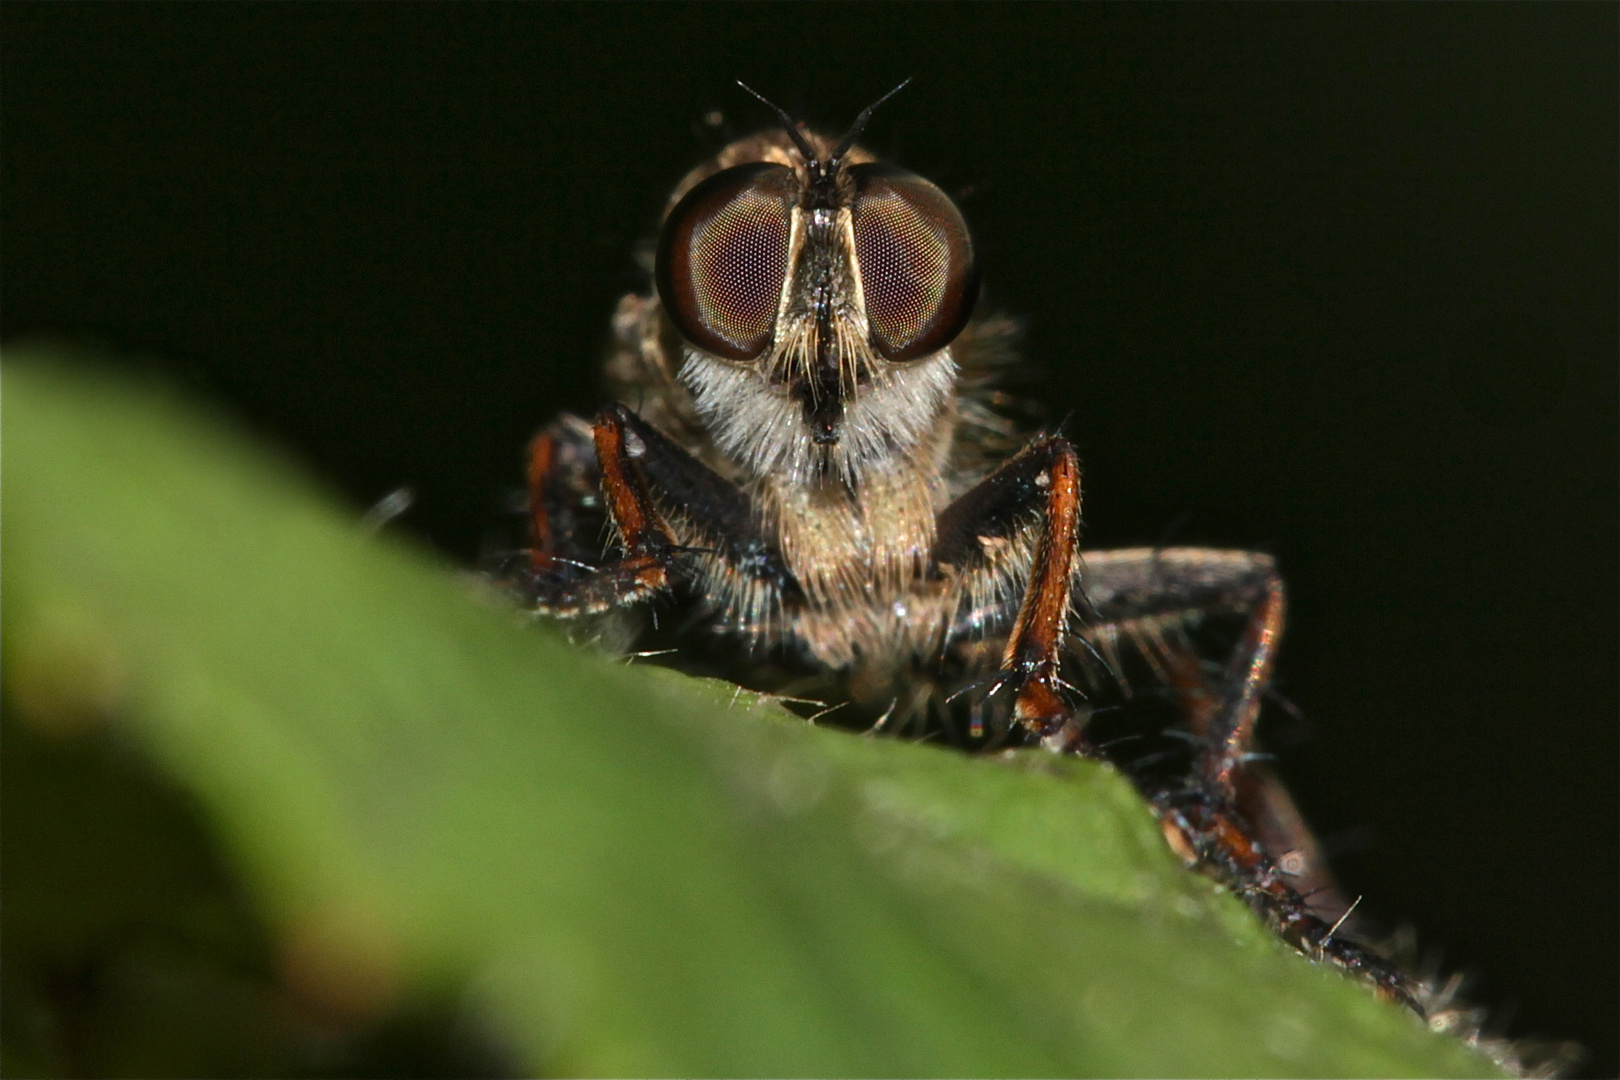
column 623, row 870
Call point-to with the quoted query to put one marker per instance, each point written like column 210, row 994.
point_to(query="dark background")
column 1338, row 282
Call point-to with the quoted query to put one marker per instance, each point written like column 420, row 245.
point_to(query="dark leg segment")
column 705, row 510
column 1133, row 592
column 665, row 506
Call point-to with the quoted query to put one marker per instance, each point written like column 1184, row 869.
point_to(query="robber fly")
column 798, row 440
column 807, row 447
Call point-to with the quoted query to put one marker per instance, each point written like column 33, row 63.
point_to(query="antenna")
column 855, row 129
column 859, row 125
column 787, row 122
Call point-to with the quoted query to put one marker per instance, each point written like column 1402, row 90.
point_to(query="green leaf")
column 625, row 871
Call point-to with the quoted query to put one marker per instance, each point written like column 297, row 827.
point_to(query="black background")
column 1338, row 282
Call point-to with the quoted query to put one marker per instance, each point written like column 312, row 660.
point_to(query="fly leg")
column 673, row 517
column 1236, row 820
column 1137, row 594
column 1021, row 526
column 571, row 498
column 1146, row 598
column 564, row 505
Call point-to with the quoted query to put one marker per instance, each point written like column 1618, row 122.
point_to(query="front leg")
column 1031, row 502
column 674, row 518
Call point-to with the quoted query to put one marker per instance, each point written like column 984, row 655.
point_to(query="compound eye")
column 723, row 257
column 916, row 261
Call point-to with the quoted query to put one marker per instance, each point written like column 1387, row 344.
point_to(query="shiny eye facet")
column 723, row 257
column 916, row 262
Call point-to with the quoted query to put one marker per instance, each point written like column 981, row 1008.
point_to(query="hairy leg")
column 672, row 515
column 1024, row 517
column 1138, row 594
column 1234, row 819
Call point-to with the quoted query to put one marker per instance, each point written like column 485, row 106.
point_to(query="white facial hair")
column 762, row 427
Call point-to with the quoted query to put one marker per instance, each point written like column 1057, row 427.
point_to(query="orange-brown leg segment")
column 542, row 540
column 648, row 546
column 1246, row 686
column 1251, row 788
column 564, row 512
column 571, row 467
column 1038, row 489
column 1033, row 649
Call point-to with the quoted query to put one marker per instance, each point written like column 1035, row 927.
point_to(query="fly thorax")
column 854, row 549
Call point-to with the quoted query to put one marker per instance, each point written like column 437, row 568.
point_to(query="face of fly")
column 818, row 292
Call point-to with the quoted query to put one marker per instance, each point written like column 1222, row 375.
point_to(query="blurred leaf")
column 622, row 870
